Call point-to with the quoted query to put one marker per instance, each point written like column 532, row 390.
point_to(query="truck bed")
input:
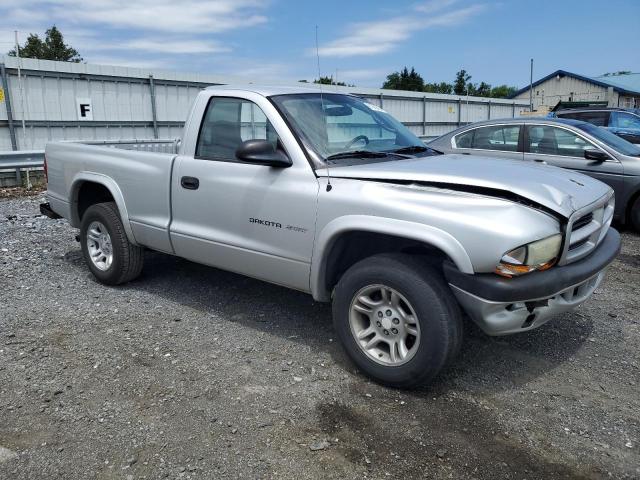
column 137, row 171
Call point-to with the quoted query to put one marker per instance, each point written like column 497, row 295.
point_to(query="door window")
column 465, row 140
column 227, row 123
column 600, row 119
column 547, row 140
column 500, row 137
column 625, row 120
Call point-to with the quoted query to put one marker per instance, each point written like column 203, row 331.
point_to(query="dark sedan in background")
column 623, row 122
column 565, row 143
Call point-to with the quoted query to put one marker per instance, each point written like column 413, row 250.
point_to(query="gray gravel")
column 192, row 372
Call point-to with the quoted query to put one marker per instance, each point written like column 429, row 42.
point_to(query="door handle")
column 190, row 183
column 539, row 160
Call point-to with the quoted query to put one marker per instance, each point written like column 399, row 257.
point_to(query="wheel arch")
column 628, row 208
column 88, row 188
column 374, row 235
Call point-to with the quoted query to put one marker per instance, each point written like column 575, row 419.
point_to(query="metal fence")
column 69, row 101
column 56, row 101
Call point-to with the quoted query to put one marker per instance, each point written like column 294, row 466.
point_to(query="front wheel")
column 397, row 319
column 106, row 249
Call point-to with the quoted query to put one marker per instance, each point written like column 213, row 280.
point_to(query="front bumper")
column 502, row 306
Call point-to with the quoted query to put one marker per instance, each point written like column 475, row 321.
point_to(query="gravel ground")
column 192, row 372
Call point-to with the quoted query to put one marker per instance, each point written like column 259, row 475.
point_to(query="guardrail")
column 24, row 159
column 20, row 160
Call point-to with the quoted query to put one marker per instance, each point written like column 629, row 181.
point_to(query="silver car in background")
column 565, row 143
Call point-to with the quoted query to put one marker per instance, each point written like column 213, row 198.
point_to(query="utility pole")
column 531, row 87
column 24, row 128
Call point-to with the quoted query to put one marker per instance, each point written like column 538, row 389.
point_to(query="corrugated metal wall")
column 122, row 99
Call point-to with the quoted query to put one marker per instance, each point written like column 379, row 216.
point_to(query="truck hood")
column 560, row 190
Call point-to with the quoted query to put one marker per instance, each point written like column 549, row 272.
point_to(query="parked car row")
column 562, row 142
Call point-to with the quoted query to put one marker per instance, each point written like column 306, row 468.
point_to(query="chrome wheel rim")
column 384, row 325
column 99, row 246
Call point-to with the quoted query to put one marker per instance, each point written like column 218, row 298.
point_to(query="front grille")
column 578, row 244
column 586, row 229
column 583, row 221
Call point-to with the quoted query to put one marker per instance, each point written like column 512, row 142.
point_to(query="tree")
column 503, row 91
column 404, row 80
column 460, row 85
column 51, row 48
column 442, row 87
column 410, row 80
column 482, row 90
column 329, row 81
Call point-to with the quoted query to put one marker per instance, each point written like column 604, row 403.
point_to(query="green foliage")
column 411, row 80
column 405, row 80
column 461, row 82
column 51, row 48
column 442, row 87
column 503, row 91
column 328, row 81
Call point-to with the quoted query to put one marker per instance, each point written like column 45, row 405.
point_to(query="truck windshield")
column 605, row 136
column 335, row 127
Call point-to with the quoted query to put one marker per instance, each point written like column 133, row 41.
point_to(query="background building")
column 618, row 90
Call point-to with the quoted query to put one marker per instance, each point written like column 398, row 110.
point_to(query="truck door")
column 252, row 219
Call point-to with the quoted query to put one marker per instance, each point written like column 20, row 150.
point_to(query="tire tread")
column 131, row 256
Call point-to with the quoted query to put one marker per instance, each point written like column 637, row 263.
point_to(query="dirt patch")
column 20, row 192
column 630, row 260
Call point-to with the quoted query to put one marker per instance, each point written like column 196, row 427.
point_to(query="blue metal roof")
column 625, row 83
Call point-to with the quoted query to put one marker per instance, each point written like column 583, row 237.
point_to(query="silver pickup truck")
column 328, row 194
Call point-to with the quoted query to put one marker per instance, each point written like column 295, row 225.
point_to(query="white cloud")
column 187, row 16
column 372, row 38
column 104, row 29
column 433, row 5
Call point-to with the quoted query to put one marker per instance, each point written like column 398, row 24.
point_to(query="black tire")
column 634, row 215
column 436, row 309
column 127, row 258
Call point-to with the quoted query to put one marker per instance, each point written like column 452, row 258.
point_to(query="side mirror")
column 595, row 154
column 262, row 152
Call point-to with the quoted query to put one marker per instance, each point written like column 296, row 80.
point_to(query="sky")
column 360, row 41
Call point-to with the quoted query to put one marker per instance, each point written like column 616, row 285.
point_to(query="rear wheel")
column 397, row 319
column 106, row 249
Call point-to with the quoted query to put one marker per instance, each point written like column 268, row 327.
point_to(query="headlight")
column 538, row 255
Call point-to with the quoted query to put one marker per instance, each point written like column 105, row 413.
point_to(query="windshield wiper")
column 411, row 149
column 359, row 154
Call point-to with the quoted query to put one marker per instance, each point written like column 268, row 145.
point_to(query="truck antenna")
column 329, row 187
